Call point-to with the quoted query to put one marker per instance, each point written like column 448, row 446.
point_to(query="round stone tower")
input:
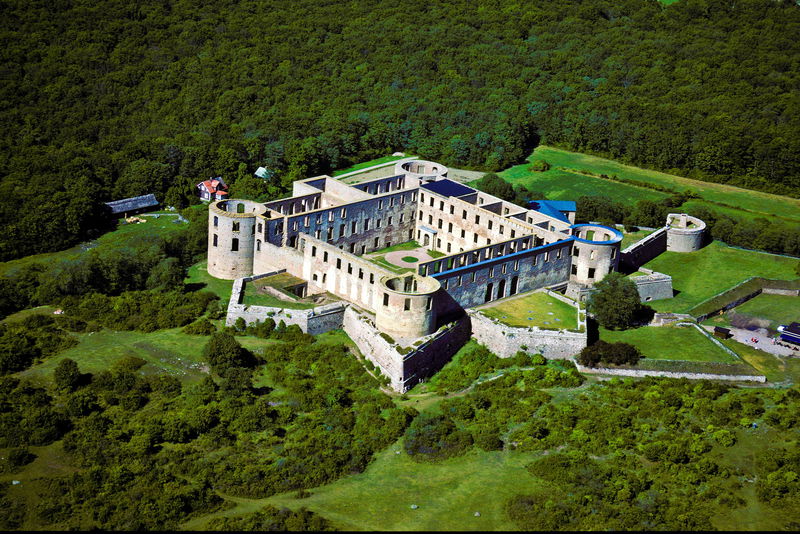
column 685, row 233
column 421, row 169
column 231, row 237
column 406, row 307
column 595, row 252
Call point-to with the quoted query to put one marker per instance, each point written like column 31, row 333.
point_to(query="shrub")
column 66, row 375
column 19, row 457
column 435, row 437
column 539, row 165
column 201, row 327
column 609, row 353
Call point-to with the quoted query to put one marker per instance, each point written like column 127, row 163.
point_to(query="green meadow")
column 561, row 184
column 447, row 493
column 165, row 351
column 121, row 237
column 740, row 202
column 198, row 274
column 698, row 276
column 778, row 309
column 670, row 343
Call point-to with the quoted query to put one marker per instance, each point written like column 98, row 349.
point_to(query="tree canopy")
column 616, row 302
column 107, row 99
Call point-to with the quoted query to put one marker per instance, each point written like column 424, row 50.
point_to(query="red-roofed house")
column 213, row 189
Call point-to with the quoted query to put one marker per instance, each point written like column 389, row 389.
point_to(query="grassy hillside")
column 741, row 202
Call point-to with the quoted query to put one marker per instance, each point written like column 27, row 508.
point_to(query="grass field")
column 199, row 275
column 119, row 238
column 557, row 184
column 535, row 309
column 370, row 163
column 777, row 369
column 700, row 275
column 670, row 343
column 755, row 202
column 447, row 493
column 779, row 309
column 169, row 351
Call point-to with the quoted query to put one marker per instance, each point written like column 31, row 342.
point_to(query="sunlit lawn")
column 670, row 343
column 535, row 309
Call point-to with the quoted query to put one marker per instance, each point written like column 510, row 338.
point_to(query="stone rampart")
column 377, row 349
column 644, row 250
column 641, row 373
column 435, row 351
column 505, row 340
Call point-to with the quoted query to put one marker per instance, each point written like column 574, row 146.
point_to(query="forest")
column 106, row 100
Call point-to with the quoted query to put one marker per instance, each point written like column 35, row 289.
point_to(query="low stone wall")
column 640, row 373
column 787, row 292
column 662, row 319
column 375, row 348
column 313, row 321
column 505, row 340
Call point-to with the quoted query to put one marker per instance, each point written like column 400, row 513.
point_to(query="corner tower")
column 232, row 237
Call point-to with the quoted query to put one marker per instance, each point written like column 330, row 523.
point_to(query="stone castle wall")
column 505, row 340
column 644, row 250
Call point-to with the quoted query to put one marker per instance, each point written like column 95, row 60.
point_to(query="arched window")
column 216, row 221
column 240, row 208
column 258, row 245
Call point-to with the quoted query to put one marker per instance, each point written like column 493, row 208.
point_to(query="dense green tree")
column 615, row 303
column 223, row 352
column 66, row 375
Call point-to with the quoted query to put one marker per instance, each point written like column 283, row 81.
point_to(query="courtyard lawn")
column 383, row 262
column 670, row 343
column 408, row 245
column 447, row 494
column 199, row 275
column 756, row 202
column 254, row 295
column 698, row 276
column 534, row 309
column 778, row 309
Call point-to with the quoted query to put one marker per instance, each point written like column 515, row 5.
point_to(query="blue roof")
column 560, row 205
column 448, row 188
column 552, row 208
